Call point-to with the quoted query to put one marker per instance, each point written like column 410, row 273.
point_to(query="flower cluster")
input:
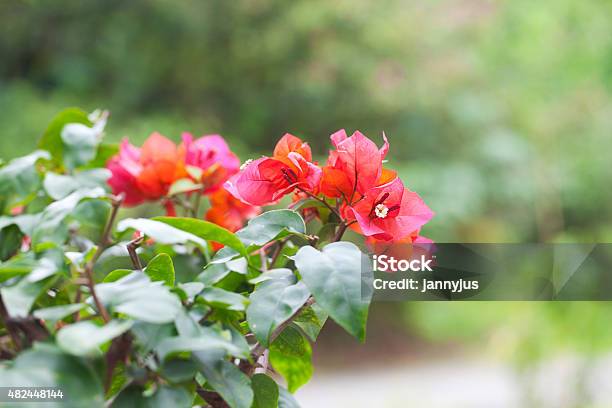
column 147, row 174
column 365, row 196
column 369, row 198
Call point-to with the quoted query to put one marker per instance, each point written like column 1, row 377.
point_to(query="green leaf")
column 20, row 297
column 307, row 202
column 161, row 268
column 271, row 225
column 227, row 379
column 291, row 356
column 20, row 264
column 80, row 144
column 136, row 296
column 196, row 173
column 103, row 154
column 45, row 365
column 50, row 226
column 157, row 308
column 20, row 177
column 116, row 275
column 205, row 230
column 91, row 216
column 187, row 326
column 150, row 335
column 177, row 370
column 205, row 342
column 274, row 301
column 183, row 185
column 59, row 186
column 167, row 396
column 10, row 240
column 238, row 338
column 224, row 299
column 52, row 139
column 85, row 338
column 114, row 257
column 25, row 222
column 311, row 321
column 334, row 276
column 131, row 396
column 327, row 232
column 286, row 399
column 265, row 391
column 215, row 272
column 287, row 252
column 119, row 380
column 55, row 313
column 191, row 289
column 225, row 254
column 161, row 232
column 79, row 259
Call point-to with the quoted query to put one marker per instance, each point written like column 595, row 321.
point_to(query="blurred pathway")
column 454, row 383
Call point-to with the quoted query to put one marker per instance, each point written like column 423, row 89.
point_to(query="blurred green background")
column 499, row 113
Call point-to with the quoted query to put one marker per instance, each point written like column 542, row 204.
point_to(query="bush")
column 179, row 310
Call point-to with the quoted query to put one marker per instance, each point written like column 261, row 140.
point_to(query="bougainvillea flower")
column 403, row 248
column 389, row 212
column 288, row 144
column 266, row 180
column 125, row 168
column 159, row 158
column 354, row 167
column 412, row 247
column 228, row 211
column 146, row 173
column 212, row 155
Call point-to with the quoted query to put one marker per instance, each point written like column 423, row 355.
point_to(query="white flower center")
column 246, row 163
column 381, row 210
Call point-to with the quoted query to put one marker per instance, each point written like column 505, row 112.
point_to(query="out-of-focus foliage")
column 498, row 111
column 528, row 332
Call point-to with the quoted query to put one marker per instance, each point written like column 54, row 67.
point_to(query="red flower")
column 354, row 167
column 211, row 154
column 389, row 212
column 265, row 180
column 146, row 173
column 411, row 247
column 228, row 211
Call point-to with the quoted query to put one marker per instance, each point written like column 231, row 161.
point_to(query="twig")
column 321, row 200
column 77, row 299
column 131, row 248
column 277, row 252
column 6, row 321
column 262, row 363
column 264, row 261
column 118, row 351
column 313, row 239
column 91, row 285
column 212, row 397
column 116, row 202
column 196, row 203
column 340, row 232
column 264, row 248
column 32, row 328
column 187, row 207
